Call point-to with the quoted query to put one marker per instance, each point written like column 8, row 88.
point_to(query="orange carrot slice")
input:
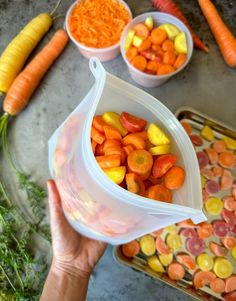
column 97, row 136
column 135, row 184
column 218, row 250
column 226, row 159
column 108, row 161
column 131, row 53
column 175, row 271
column 100, row 149
column 168, row 45
column 187, row 127
column 146, row 44
column 187, row 224
column 152, row 66
column 94, row 144
column 202, row 278
column 217, row 285
column 139, row 62
column 180, row 60
column 212, row 155
column 205, row 230
column 226, row 180
column 130, row 249
column 140, row 161
column 98, row 123
column 174, row 178
column 111, row 133
column 230, row 284
column 165, row 69
column 229, row 242
column 217, row 171
column 186, row 260
column 111, row 143
column 219, row 146
column 158, row 36
column 135, row 140
column 116, row 151
column 141, row 30
column 128, row 149
column 162, row 247
column 169, row 57
column 159, row 192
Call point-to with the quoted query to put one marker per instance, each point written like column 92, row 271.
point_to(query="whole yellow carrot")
column 16, row 53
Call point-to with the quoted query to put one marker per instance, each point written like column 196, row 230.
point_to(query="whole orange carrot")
column 224, row 38
column 27, row 81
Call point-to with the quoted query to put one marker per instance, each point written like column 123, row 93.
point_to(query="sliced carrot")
column 128, row 149
column 219, row 146
column 111, row 133
column 131, row 53
column 168, row 45
column 135, row 184
column 152, row 66
column 174, row 178
column 142, row 135
column 146, row 44
column 141, row 30
column 162, row 247
column 111, row 143
column 169, row 57
column 226, row 159
column 212, row 155
column 159, row 192
column 218, row 250
column 97, row 136
column 130, row 249
column 217, row 285
column 116, row 150
column 140, row 161
column 229, row 202
column 158, row 36
column 136, row 141
column 154, row 180
column 94, row 144
column 187, row 224
column 186, row 260
column 205, row 230
column 180, row 60
column 158, row 49
column 139, row 62
column 108, row 161
column 230, row 284
column 202, row 278
column 99, row 123
column 217, row 171
column 165, row 69
column 229, row 242
column 187, row 127
column 175, row 271
column 100, row 149
column 226, row 180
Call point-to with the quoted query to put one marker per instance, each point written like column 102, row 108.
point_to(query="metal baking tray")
column 139, row 262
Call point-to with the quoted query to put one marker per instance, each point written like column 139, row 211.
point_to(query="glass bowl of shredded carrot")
column 155, row 47
column 95, row 26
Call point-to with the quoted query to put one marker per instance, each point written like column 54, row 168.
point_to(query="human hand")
column 72, row 252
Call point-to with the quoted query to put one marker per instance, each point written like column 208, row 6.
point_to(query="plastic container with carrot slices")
column 93, row 204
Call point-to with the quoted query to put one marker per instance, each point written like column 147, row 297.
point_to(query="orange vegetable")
column 165, row 69
column 202, row 278
column 135, row 184
column 218, row 250
column 224, row 38
column 99, row 123
column 169, row 57
column 212, row 155
column 229, row 242
column 168, row 45
column 128, row 149
column 111, row 143
column 217, row 285
column 158, row 36
column 100, row 149
column 130, row 249
column 219, row 146
column 94, row 144
column 180, row 60
column 131, row 53
column 108, row 161
column 187, row 127
column 187, row 224
column 158, row 49
column 97, row 136
column 186, row 260
column 175, row 271
column 174, row 178
column 27, row 81
column 111, row 133
column 146, row 44
column 140, row 161
column 153, row 66
column 139, row 62
column 162, row 247
column 142, row 135
column 226, row 180
column 136, row 141
column 159, row 192
column 205, row 230
column 230, row 284
column 217, row 171
column 98, row 23
column 226, row 159
column 141, row 30
column 116, row 151
column 169, row 6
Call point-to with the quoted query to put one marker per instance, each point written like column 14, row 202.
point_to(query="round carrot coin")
column 159, row 192
column 226, row 159
column 130, row 249
column 158, row 36
column 174, row 178
column 176, row 271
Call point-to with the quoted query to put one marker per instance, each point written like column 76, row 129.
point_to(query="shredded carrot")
column 98, row 23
